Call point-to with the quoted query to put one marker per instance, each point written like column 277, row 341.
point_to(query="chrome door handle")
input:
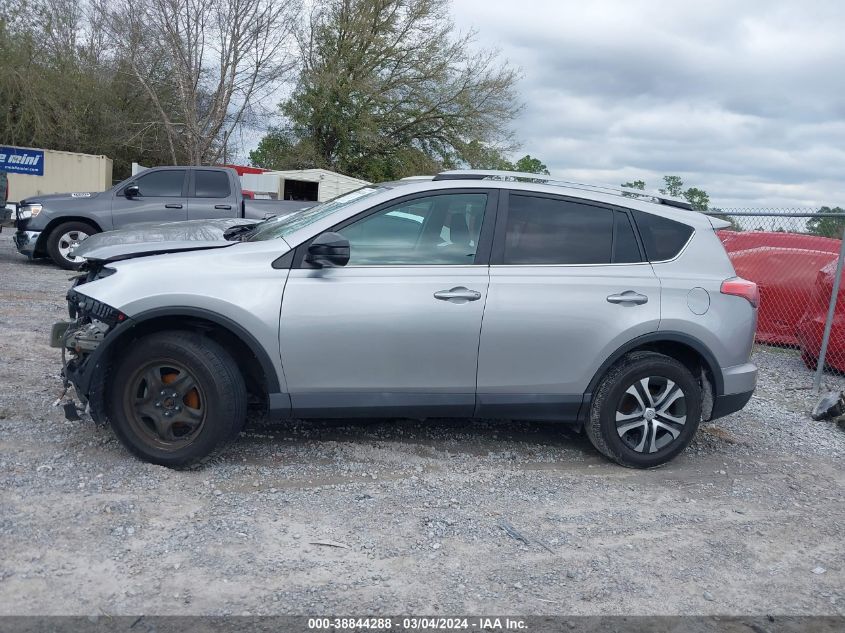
column 173, row 206
column 458, row 294
column 223, row 207
column 629, row 296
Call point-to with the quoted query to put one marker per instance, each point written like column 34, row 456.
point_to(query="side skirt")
column 530, row 406
column 533, row 407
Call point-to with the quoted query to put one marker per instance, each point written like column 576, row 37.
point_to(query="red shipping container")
column 811, row 326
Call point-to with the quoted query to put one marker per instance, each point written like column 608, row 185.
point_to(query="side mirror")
column 328, row 250
column 132, row 191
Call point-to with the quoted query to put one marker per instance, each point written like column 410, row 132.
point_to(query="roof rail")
column 521, row 176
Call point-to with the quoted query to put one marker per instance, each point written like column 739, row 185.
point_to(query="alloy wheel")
column 651, row 414
column 68, row 241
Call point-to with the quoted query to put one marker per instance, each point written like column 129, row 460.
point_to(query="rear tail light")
column 740, row 287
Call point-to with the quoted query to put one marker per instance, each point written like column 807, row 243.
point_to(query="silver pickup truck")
column 53, row 225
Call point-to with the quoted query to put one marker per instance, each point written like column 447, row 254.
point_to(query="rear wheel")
column 177, row 399
column 63, row 239
column 646, row 410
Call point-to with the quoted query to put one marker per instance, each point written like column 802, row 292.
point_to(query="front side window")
column 287, row 225
column 211, row 184
column 551, row 231
column 435, row 230
column 166, row 183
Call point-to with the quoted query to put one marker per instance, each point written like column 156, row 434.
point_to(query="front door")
column 396, row 331
column 569, row 284
column 163, row 198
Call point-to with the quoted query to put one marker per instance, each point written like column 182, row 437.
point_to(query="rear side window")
column 662, row 238
column 550, row 231
column 211, row 184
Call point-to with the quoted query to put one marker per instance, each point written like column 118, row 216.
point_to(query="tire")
column 63, row 238
column 177, row 399
column 648, row 432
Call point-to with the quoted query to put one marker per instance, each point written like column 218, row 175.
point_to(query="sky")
column 743, row 98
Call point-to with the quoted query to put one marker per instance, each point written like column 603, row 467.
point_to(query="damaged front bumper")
column 85, row 343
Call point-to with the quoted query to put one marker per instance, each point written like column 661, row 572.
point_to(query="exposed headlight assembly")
column 81, row 306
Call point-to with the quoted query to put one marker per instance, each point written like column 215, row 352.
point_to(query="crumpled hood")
column 153, row 238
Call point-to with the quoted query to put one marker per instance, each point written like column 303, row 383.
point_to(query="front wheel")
column 177, row 399
column 63, row 239
column 646, row 410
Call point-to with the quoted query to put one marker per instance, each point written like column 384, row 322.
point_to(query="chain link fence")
column 793, row 256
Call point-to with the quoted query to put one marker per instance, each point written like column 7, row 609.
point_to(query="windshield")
column 281, row 227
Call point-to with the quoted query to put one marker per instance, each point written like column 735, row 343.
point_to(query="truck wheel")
column 645, row 411
column 177, row 399
column 65, row 237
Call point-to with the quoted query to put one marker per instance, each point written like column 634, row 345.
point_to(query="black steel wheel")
column 165, row 404
column 645, row 411
column 177, row 399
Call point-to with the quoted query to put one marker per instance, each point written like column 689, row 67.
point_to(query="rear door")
column 163, row 198
column 211, row 195
column 569, row 284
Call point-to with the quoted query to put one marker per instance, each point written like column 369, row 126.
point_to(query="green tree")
column 674, row 186
column 635, row 184
column 280, row 150
column 698, row 198
column 477, row 155
column 385, row 83
column 531, row 165
column 827, row 227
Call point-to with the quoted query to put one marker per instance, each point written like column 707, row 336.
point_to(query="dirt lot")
column 749, row 520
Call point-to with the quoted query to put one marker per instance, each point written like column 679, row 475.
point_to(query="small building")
column 316, row 185
column 33, row 171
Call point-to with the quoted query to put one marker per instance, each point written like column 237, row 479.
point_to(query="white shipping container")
column 63, row 172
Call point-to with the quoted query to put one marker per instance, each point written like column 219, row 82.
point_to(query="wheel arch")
column 682, row 347
column 41, row 245
column 255, row 364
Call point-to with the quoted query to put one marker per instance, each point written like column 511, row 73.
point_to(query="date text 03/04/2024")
column 419, row 623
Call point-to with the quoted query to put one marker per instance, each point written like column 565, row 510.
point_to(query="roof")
column 517, row 176
column 648, row 202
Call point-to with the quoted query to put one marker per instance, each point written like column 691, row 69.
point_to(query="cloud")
column 745, row 99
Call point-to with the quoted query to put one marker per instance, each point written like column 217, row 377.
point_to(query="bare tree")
column 204, row 64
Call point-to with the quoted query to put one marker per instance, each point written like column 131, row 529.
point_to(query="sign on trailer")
column 22, row 161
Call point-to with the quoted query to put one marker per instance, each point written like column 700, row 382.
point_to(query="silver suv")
column 472, row 294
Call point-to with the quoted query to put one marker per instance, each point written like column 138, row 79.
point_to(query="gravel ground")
column 749, row 520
